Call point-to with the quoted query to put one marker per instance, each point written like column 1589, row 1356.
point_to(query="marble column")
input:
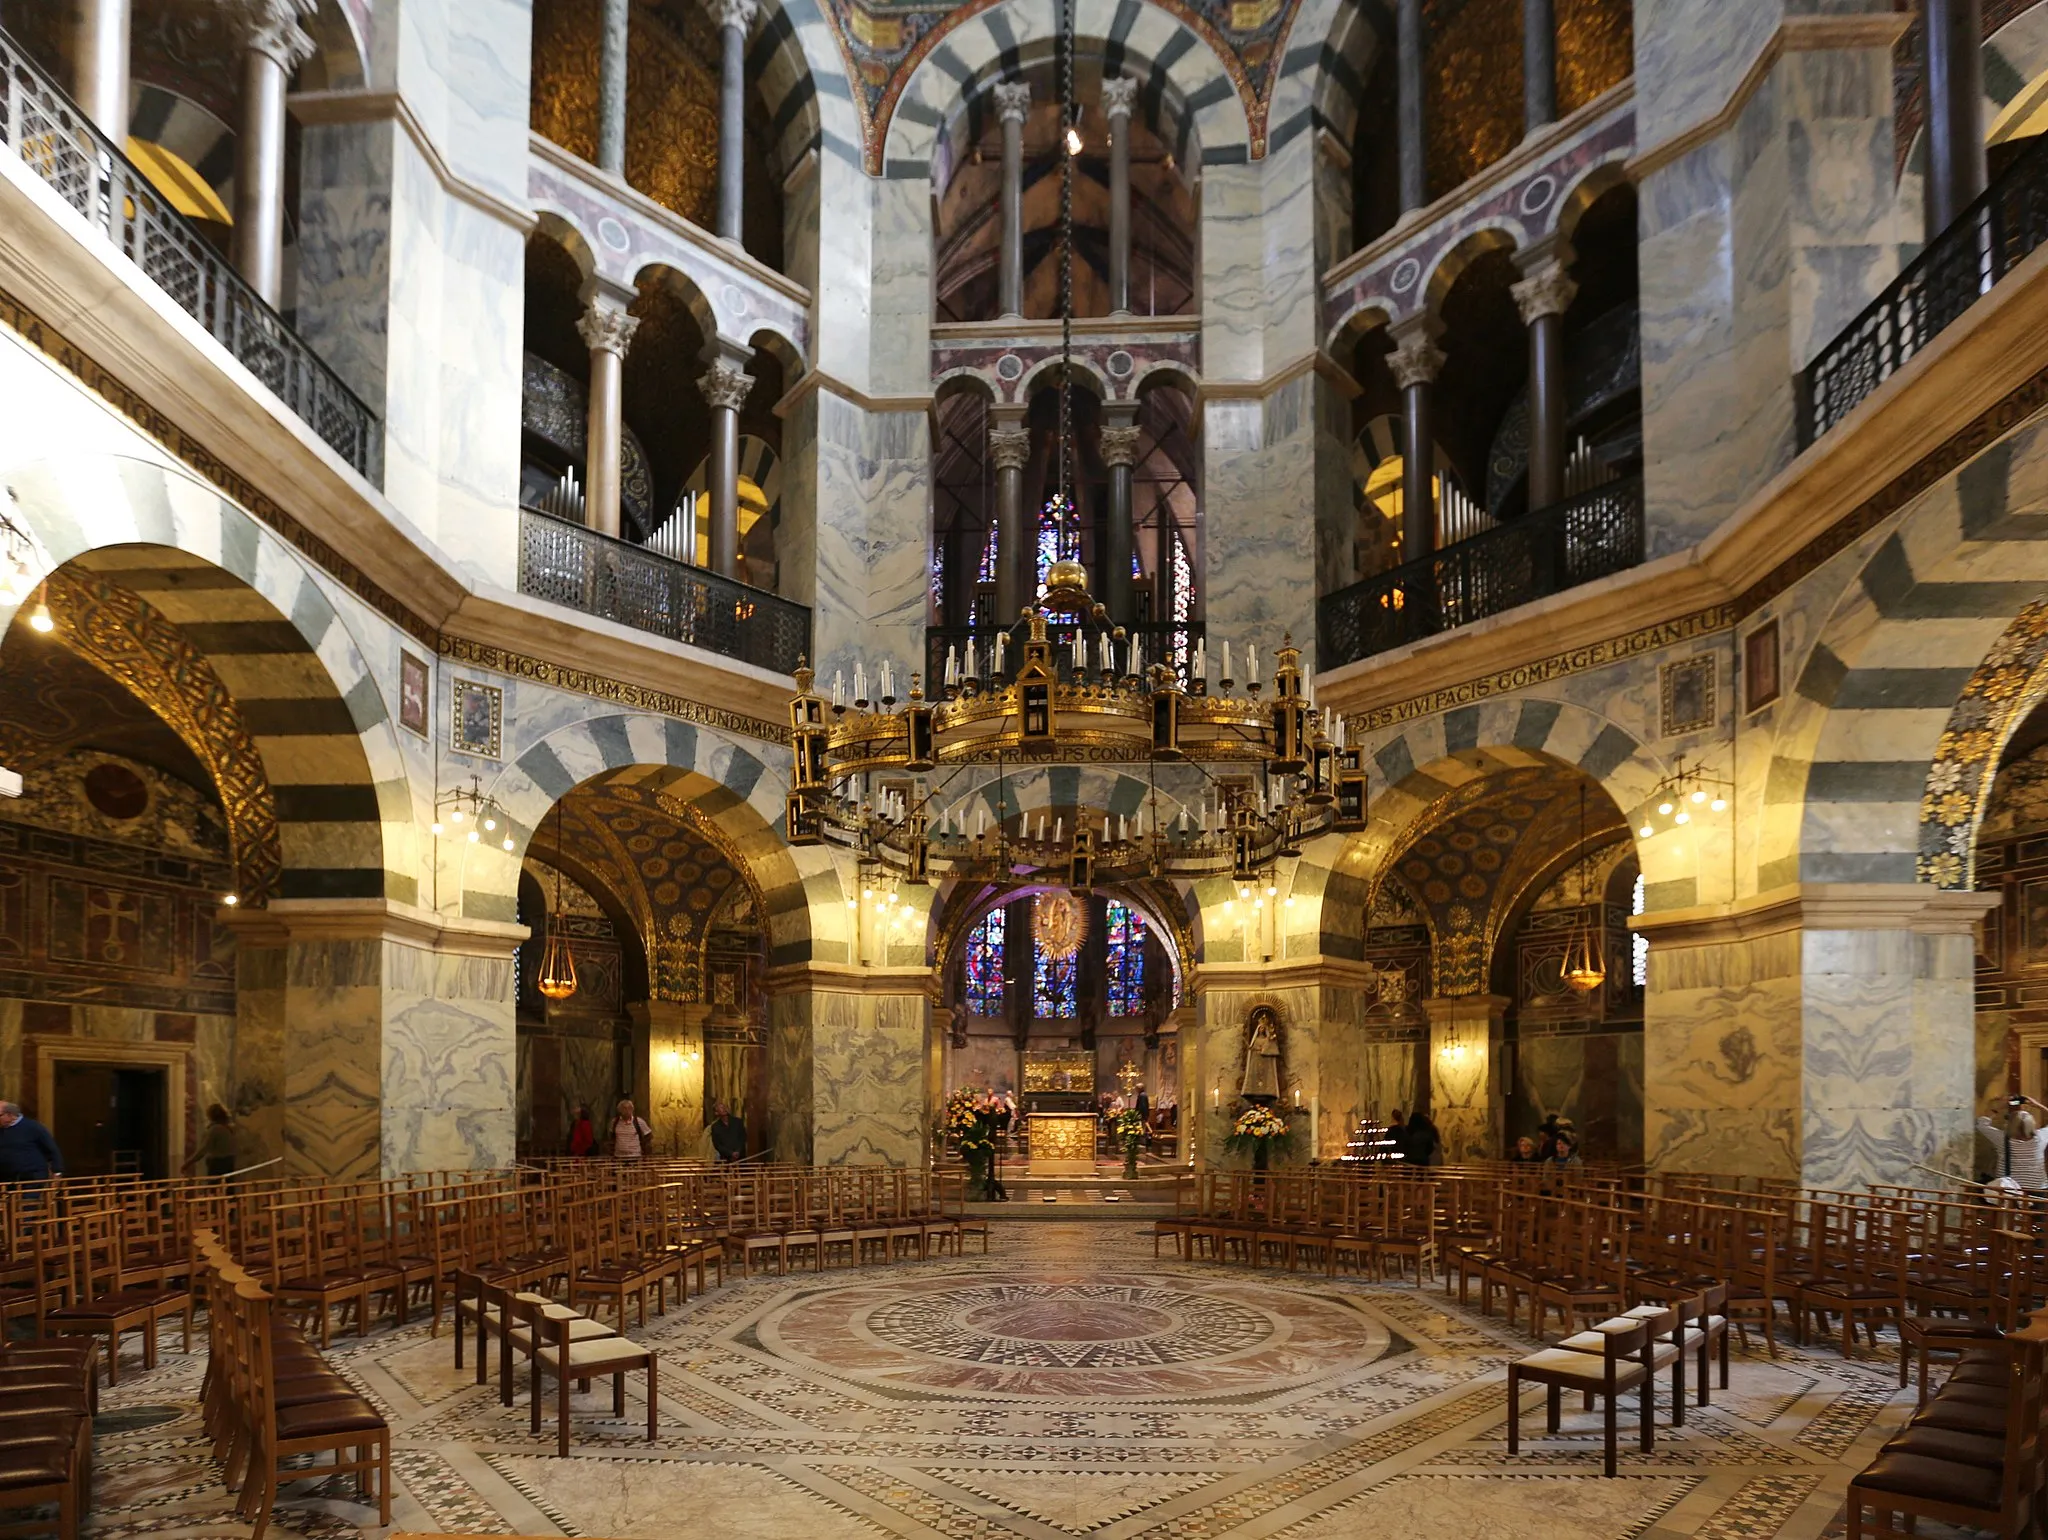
column 1119, row 439
column 611, row 87
column 1416, row 362
column 1955, row 109
column 725, row 385
column 1013, row 101
column 733, row 18
column 1543, row 297
column 1464, row 1053
column 1009, row 445
column 99, row 54
column 274, row 46
column 1119, row 96
column 1539, row 64
column 607, row 330
column 1408, row 27
column 1820, row 1033
column 847, row 1050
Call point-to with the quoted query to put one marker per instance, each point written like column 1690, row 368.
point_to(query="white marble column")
column 1408, row 28
column 99, row 55
column 733, row 18
column 725, row 385
column 1543, row 297
column 1955, row 109
column 607, row 330
column 1013, row 101
column 1009, row 445
column 274, row 46
column 1119, row 437
column 1539, row 64
column 1416, row 362
column 1119, row 96
column 847, row 1049
column 611, row 87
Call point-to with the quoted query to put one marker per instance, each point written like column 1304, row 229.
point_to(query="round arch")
column 307, row 696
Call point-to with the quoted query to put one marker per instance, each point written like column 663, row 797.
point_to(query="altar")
column 1059, row 1101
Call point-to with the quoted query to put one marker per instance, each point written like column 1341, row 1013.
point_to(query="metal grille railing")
column 569, row 565
column 1953, row 271
column 1592, row 536
column 52, row 136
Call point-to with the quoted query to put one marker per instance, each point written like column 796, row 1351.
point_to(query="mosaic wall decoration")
column 1687, row 690
column 476, row 718
column 413, row 685
column 2003, row 690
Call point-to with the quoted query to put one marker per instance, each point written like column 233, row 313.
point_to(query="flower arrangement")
column 970, row 1119
column 1258, row 1131
column 1127, row 1130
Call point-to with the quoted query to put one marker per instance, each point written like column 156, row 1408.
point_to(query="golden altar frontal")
column 1062, row 1144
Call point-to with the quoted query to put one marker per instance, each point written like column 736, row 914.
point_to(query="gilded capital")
column 732, row 13
column 1013, row 100
column 1011, row 447
column 1547, row 291
column 1120, row 445
column 1119, row 96
column 725, row 386
column 271, row 28
column 1416, row 361
column 607, row 326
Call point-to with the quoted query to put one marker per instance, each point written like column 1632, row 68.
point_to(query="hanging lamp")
column 1585, row 962
column 557, row 963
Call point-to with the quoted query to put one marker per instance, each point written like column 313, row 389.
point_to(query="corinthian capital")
column 1416, row 359
column 733, row 13
column 1011, row 447
column 1119, row 96
column 271, row 28
column 725, row 385
column 1013, row 100
column 1120, row 446
column 1547, row 291
column 607, row 326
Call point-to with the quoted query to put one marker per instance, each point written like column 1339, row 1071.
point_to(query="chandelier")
column 1247, row 774
column 1584, row 966
column 557, row 979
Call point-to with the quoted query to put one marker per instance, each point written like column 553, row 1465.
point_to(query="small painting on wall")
column 412, row 693
column 1760, row 667
column 478, row 718
column 1688, row 695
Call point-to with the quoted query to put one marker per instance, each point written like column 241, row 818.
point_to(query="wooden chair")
column 557, row 1352
column 99, row 1306
column 1606, row 1376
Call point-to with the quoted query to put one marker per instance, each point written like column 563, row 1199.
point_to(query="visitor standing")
column 728, row 1136
column 27, row 1152
column 217, row 1145
column 630, row 1133
column 582, row 1132
column 2022, row 1143
column 1423, row 1142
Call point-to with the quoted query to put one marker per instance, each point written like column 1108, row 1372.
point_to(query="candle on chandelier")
column 1080, row 650
column 1041, row 828
column 1104, row 658
column 1122, row 829
column 1202, row 659
column 1059, row 829
column 1251, row 665
column 839, row 687
column 980, row 822
column 1001, row 639
column 860, row 681
column 1136, row 658
column 970, row 658
column 953, row 664
column 1226, row 659
column 887, row 691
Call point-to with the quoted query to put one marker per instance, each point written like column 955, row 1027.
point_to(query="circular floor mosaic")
column 1102, row 1335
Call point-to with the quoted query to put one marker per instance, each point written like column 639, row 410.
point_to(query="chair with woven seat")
column 556, row 1352
column 1606, row 1376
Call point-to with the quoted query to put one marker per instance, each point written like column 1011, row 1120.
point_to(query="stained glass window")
column 1126, row 959
column 1058, row 538
column 985, row 966
column 1055, row 984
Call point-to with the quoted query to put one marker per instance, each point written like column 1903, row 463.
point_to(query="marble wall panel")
column 985, row 1061
column 675, row 1095
column 448, row 1060
column 1259, row 531
column 868, row 1082
column 791, row 1075
column 333, row 1069
column 257, row 1088
column 872, row 538
column 1464, row 1058
column 1690, row 57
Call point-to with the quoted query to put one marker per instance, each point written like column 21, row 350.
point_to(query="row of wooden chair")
column 557, row 1341
column 269, row 1398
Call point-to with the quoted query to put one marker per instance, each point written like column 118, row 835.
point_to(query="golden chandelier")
column 1257, row 772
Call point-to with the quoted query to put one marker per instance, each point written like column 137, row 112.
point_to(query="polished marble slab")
column 1067, row 1384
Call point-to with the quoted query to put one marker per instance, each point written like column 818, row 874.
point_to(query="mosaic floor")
column 1066, row 1385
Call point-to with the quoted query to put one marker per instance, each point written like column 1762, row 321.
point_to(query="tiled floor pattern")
column 1068, row 1384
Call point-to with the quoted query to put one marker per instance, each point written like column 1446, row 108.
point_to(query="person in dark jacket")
column 1423, row 1144
column 728, row 1136
column 27, row 1152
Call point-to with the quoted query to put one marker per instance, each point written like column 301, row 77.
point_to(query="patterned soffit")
column 885, row 40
